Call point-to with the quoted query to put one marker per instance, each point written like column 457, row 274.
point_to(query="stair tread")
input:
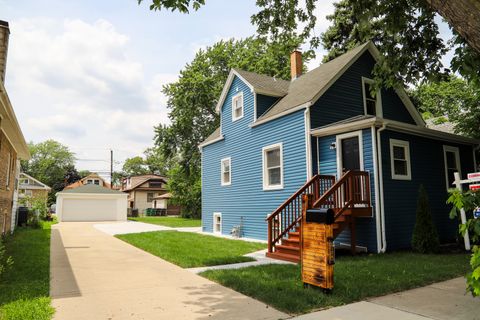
column 284, row 256
column 282, row 246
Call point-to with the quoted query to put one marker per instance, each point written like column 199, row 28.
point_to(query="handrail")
column 288, row 214
column 353, row 188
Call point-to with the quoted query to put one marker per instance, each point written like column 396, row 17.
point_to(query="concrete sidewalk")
column 97, row 276
column 126, row 227
column 442, row 301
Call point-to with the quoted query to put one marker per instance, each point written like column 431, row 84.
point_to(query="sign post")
column 463, row 217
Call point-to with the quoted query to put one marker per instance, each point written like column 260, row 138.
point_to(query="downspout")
column 308, row 143
column 381, row 216
column 376, row 188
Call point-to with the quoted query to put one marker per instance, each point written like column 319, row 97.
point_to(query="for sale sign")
column 475, row 187
column 474, row 176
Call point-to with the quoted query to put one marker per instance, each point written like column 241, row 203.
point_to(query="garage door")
column 89, row 210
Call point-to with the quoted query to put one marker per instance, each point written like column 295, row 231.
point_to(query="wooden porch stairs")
column 349, row 197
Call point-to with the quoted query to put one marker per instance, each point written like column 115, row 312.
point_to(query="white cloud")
column 75, row 82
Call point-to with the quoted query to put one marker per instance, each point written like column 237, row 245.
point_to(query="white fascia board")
column 226, row 88
column 430, row 133
column 344, row 127
column 91, row 195
column 203, row 144
column 284, row 113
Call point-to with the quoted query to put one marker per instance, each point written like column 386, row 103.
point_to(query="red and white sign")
column 475, row 187
column 473, row 176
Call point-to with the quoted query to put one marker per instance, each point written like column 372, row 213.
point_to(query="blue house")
column 325, row 133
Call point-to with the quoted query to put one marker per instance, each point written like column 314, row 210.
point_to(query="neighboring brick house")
column 12, row 144
column 29, row 187
column 143, row 189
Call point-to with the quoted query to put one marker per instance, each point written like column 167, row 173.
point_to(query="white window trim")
column 240, row 94
column 456, row 151
column 223, row 183
column 338, row 143
column 215, row 215
column 378, row 98
column 266, row 186
column 9, row 171
column 406, row 145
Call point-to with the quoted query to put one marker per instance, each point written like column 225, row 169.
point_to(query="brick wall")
column 6, row 192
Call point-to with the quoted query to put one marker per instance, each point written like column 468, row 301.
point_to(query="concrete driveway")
column 96, row 276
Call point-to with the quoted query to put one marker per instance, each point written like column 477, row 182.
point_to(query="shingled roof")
column 265, row 84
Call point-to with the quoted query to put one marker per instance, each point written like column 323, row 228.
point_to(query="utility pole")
column 111, row 169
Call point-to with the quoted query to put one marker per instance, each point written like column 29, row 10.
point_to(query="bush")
column 469, row 201
column 5, row 262
column 33, row 219
column 425, row 236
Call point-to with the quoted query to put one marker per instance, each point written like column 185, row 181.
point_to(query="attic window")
column 237, row 106
column 371, row 103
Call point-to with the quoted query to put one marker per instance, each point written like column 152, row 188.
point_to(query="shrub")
column 469, row 201
column 425, row 235
column 5, row 262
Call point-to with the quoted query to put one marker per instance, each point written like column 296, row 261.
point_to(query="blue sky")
column 88, row 73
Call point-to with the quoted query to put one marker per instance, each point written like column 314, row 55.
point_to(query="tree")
column 84, row 173
column 462, row 15
column 425, row 236
column 192, row 100
column 135, row 166
column 455, row 99
column 155, row 161
column 50, row 161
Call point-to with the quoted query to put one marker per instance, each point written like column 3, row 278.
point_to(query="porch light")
column 333, row 146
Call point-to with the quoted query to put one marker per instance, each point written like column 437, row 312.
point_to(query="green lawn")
column 189, row 250
column 356, row 278
column 174, row 222
column 24, row 288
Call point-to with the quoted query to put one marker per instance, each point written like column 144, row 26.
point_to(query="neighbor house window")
column 226, row 171
column 451, row 157
column 217, row 222
column 89, row 181
column 9, row 169
column 400, row 159
column 371, row 103
column 155, row 184
column 273, row 167
column 97, row 182
column 150, row 196
column 237, row 106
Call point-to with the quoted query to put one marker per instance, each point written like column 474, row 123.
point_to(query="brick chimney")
column 4, row 34
column 296, row 64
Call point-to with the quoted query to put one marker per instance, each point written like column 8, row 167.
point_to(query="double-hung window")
column 237, row 106
column 226, row 171
column 400, row 160
column 451, row 157
column 273, row 167
column 371, row 102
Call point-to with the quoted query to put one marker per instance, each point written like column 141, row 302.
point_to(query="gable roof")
column 137, row 181
column 80, row 183
column 308, row 88
column 258, row 83
column 37, row 184
column 92, row 188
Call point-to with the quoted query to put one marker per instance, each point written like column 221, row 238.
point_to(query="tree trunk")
column 463, row 16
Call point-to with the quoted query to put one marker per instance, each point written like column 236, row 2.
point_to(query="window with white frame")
column 237, row 106
column 226, row 171
column 451, row 157
column 371, row 102
column 217, row 222
column 9, row 169
column 400, row 159
column 273, row 167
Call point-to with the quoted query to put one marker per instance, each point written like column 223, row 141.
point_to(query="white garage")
column 91, row 203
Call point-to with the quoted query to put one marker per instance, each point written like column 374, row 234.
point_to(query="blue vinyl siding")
column 264, row 103
column 245, row 196
column 400, row 197
column 366, row 227
column 344, row 99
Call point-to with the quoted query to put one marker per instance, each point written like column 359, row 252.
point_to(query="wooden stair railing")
column 348, row 197
column 286, row 217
